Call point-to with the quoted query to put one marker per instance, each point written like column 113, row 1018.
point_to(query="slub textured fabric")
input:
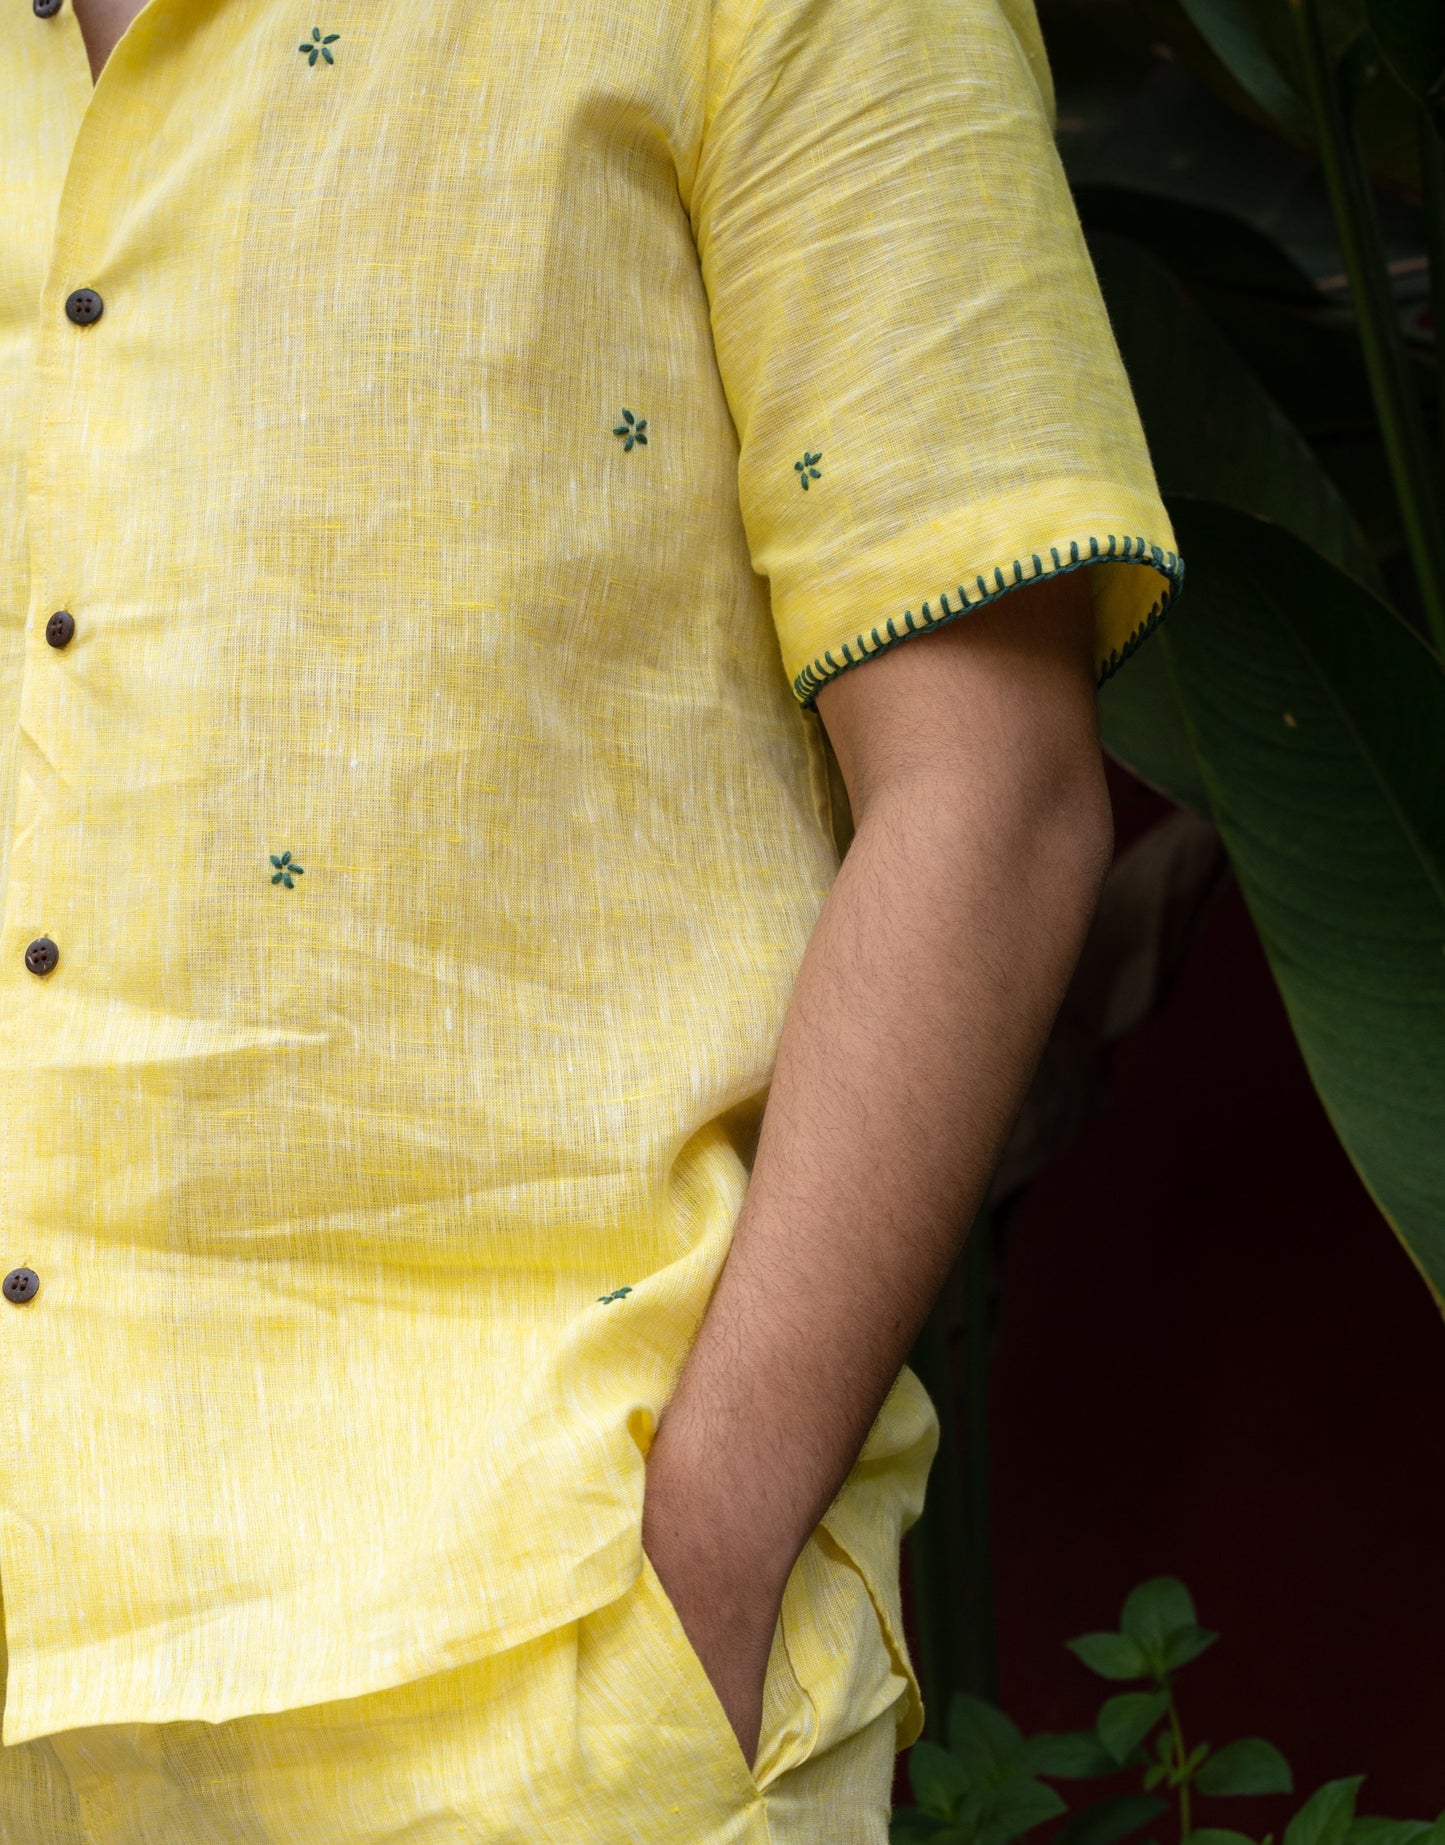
column 605, row 1729
column 464, row 437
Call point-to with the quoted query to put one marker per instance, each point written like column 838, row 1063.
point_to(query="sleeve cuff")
column 1127, row 536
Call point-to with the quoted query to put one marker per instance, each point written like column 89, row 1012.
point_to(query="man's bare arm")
column 972, row 761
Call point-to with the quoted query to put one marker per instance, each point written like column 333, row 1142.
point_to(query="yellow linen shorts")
column 605, row 1731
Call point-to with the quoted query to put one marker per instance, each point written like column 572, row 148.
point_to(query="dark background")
column 1215, row 1361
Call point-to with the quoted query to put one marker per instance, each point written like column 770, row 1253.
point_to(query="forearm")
column 919, row 1015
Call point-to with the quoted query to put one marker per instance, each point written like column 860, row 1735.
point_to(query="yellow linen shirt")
column 463, row 438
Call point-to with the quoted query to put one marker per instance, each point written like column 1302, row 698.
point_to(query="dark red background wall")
column 1215, row 1361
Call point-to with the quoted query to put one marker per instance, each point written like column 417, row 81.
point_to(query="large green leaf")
column 1411, row 37
column 1213, row 433
column 1318, row 718
column 1206, row 246
column 1233, row 35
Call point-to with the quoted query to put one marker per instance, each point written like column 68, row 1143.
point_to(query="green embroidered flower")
column 286, row 866
column 806, row 470
column 631, row 429
column 616, row 1294
column 317, row 47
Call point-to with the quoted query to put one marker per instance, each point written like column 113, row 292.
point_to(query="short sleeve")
column 930, row 402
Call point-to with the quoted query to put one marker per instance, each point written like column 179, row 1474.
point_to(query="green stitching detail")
column 632, row 429
column 806, row 470
column 285, row 866
column 317, row 48
column 616, row 1294
column 1129, row 550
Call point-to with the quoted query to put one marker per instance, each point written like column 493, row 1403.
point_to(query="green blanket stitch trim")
column 813, row 678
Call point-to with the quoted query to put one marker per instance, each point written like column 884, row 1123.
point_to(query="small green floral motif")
column 317, row 47
column 631, row 429
column 616, row 1294
column 806, row 470
column 287, row 870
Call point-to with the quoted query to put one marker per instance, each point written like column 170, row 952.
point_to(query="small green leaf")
column 1107, row 1821
column 1154, row 1611
column 980, row 1735
column 1325, row 1817
column 1015, row 1806
column 912, row 1826
column 1217, row 1835
column 1125, row 1721
column 1184, row 1644
column 1113, row 1656
column 939, row 1780
column 1068, row 1755
column 1155, row 1775
column 1250, row 1766
column 1370, row 1830
column 327, row 55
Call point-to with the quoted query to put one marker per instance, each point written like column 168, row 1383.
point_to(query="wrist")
column 700, row 1526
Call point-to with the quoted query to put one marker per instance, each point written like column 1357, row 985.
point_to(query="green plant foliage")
column 1214, row 433
column 1411, row 38
column 981, row 1789
column 1152, row 1613
column 1318, row 719
column 1070, row 1756
column 1246, row 1767
column 980, row 1736
column 1125, row 1721
column 1108, row 1821
column 1232, row 35
column 1111, row 1655
column 1367, row 1830
column 1184, row 1644
column 1325, row 1817
column 1205, row 245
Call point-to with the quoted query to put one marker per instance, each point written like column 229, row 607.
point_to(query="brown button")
column 83, row 306
column 45, row 9
column 21, row 1285
column 60, row 629
column 42, row 955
